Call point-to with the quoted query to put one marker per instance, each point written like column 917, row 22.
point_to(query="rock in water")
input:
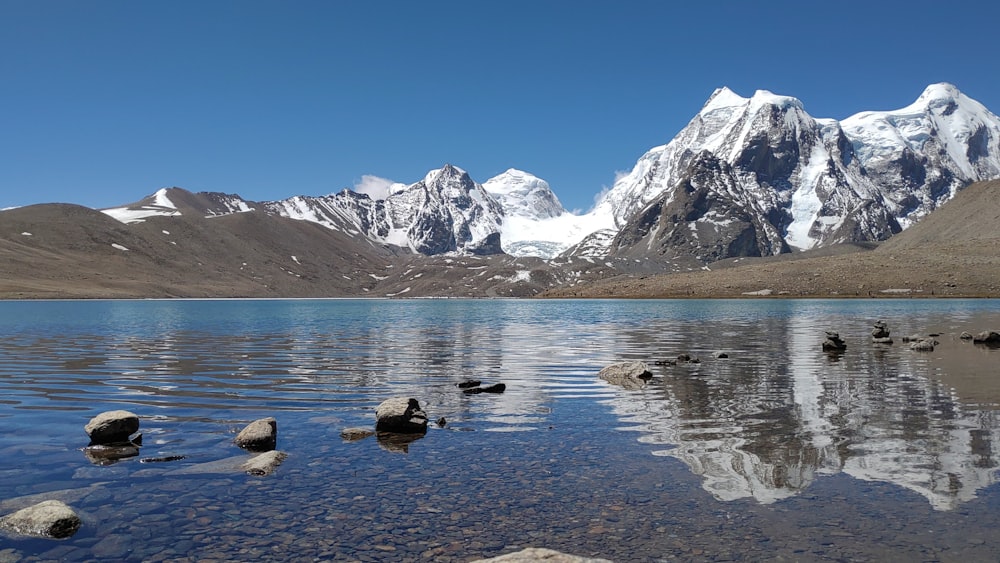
column 259, row 436
column 48, row 519
column 265, row 463
column 834, row 343
column 630, row 375
column 400, row 414
column 540, row 555
column 880, row 333
column 111, row 427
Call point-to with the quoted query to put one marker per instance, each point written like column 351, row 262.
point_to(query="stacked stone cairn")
column 833, row 343
column 880, row 333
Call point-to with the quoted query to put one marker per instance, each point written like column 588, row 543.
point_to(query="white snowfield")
column 840, row 168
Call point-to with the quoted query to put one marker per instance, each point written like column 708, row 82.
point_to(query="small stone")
column 469, row 383
column 48, row 519
column 721, row 355
column 496, row 388
column 112, row 426
column 536, row 554
column 259, row 436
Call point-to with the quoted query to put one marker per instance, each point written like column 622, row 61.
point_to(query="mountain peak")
column 940, row 91
column 723, row 98
column 765, row 97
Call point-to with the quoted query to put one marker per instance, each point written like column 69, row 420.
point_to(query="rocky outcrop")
column 400, row 415
column 630, row 375
column 112, row 427
column 265, row 463
column 49, row 519
column 538, row 554
column 259, row 436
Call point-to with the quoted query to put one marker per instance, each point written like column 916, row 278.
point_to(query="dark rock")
column 259, row 436
column 721, row 355
column 49, row 519
column 400, row 414
column 987, row 337
column 441, row 422
column 495, row 388
column 112, row 427
column 469, row 383
column 265, row 463
column 880, row 333
column 834, row 343
column 162, row 459
column 630, row 375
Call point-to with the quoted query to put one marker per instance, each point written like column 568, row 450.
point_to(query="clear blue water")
column 778, row 452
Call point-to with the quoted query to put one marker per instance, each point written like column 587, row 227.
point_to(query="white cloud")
column 376, row 187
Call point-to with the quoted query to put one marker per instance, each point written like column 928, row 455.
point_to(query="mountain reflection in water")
column 766, row 423
column 808, row 455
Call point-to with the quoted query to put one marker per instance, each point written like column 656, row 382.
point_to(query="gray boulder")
column 538, row 554
column 834, row 343
column 260, row 435
column 924, row 345
column 402, row 415
column 265, row 463
column 630, row 375
column 988, row 337
column 112, row 427
column 49, row 519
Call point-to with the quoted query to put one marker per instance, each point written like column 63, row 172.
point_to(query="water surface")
column 778, row 452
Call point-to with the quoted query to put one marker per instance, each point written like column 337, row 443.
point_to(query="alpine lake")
column 778, row 452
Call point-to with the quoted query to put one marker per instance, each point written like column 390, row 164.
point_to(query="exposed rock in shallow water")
column 538, row 554
column 49, row 519
column 987, row 337
column 834, row 343
column 265, row 463
column 112, row 426
column 495, row 388
column 880, row 333
column 924, row 345
column 400, row 414
column 630, row 375
column 259, row 436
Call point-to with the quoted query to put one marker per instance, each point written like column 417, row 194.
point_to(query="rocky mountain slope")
column 952, row 251
column 759, row 176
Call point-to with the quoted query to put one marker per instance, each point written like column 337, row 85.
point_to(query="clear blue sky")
column 103, row 102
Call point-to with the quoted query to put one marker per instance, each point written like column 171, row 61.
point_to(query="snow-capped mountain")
column 444, row 212
column 746, row 177
column 758, row 176
column 535, row 223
